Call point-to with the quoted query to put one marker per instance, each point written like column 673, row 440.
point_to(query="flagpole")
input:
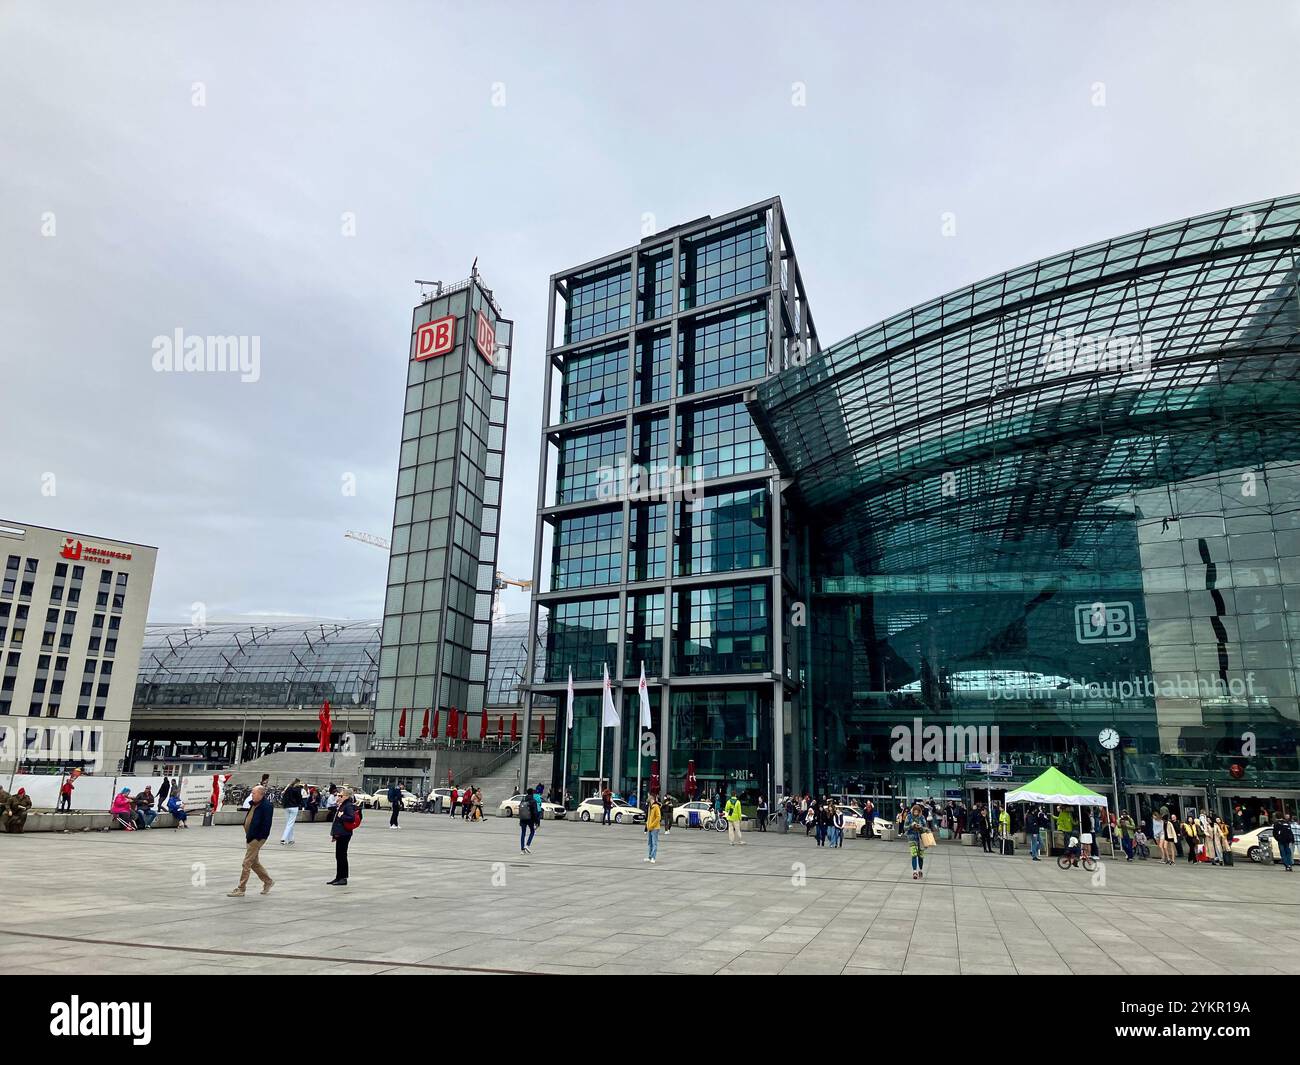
column 640, row 696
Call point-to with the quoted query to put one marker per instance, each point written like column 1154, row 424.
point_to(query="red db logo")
column 485, row 337
column 435, row 338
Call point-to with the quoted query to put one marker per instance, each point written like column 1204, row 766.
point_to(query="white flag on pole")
column 609, row 718
column 643, row 694
column 570, row 706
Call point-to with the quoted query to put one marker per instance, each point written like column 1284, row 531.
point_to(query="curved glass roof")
column 1037, row 397
column 286, row 663
column 241, row 664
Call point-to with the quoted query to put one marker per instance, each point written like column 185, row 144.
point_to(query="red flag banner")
column 434, row 732
column 424, row 729
column 514, row 728
column 401, row 725
column 482, row 726
column 323, row 735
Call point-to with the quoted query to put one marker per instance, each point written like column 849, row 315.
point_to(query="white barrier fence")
column 95, row 793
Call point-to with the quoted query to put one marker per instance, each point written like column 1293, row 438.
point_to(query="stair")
column 503, row 781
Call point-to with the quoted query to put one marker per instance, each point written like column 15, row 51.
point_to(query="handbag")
column 927, row 839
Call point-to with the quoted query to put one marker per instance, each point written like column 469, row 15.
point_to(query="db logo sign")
column 485, row 337
column 71, row 548
column 435, row 338
column 1104, row 623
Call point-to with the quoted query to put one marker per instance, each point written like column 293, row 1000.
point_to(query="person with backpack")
column 395, row 803
column 528, row 815
column 292, row 803
column 347, row 819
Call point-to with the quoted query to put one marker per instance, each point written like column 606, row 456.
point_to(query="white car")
column 379, row 800
column 1251, row 844
column 510, row 808
column 593, row 810
column 682, row 814
column 444, row 794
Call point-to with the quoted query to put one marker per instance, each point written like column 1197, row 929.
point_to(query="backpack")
column 353, row 823
column 526, row 808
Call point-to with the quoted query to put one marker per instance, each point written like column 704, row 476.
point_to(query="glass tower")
column 662, row 537
column 438, row 610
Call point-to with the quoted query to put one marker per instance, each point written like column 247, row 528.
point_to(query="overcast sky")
column 195, row 166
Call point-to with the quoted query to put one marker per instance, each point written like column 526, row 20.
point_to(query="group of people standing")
column 470, row 802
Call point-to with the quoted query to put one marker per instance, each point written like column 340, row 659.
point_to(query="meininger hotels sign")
column 81, row 551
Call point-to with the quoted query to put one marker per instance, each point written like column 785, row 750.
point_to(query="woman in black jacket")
column 346, row 820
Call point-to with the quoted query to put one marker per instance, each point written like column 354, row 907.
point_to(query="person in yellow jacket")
column 732, row 814
column 653, row 819
column 1065, row 826
column 1004, row 828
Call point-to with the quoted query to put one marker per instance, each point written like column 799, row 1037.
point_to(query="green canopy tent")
column 1054, row 788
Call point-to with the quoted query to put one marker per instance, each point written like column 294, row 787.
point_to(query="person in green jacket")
column 1065, row 826
column 732, row 814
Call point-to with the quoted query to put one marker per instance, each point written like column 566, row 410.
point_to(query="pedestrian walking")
column 985, row 830
column 1285, row 836
column 733, row 815
column 291, row 800
column 607, row 806
column 652, row 821
column 913, row 826
column 455, row 798
column 527, row 821
column 762, row 813
column 666, row 814
column 257, row 830
column 837, row 827
column 347, row 819
column 163, row 791
column 1127, row 833
column 394, row 803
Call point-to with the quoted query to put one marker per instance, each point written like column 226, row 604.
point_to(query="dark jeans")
column 64, row 803
column 762, row 820
column 393, row 819
column 1127, row 843
column 605, row 817
column 987, row 841
column 821, row 834
column 529, row 829
column 341, row 857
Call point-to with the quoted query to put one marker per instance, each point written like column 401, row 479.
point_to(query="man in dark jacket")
column 395, row 804
column 292, row 802
column 346, row 820
column 257, row 830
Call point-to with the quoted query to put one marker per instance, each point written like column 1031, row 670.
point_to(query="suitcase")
column 1227, row 857
column 1008, row 845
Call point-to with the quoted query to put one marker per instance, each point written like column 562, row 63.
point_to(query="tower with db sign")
column 437, row 624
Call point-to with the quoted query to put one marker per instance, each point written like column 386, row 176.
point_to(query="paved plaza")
column 446, row 896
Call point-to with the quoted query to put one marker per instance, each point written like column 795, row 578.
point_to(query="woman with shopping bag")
column 916, row 831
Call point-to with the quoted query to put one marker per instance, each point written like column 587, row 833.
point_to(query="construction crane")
column 368, row 538
column 501, row 582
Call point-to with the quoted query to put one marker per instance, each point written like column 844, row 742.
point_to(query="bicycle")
column 1072, row 858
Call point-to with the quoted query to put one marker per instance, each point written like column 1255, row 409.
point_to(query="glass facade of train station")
column 1061, row 500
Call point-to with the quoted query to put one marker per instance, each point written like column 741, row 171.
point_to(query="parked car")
column 682, row 814
column 510, row 808
column 444, row 794
column 592, row 810
column 1251, row 844
column 379, row 800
